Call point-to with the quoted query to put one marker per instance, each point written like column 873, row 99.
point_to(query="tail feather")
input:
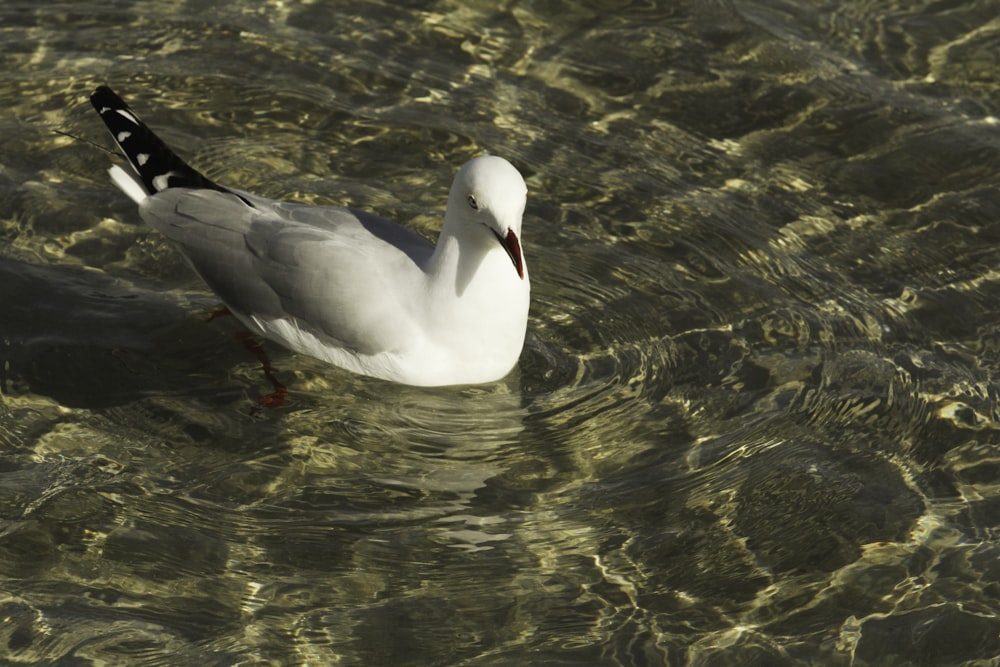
column 155, row 165
column 129, row 183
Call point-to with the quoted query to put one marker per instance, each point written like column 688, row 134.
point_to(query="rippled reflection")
column 755, row 417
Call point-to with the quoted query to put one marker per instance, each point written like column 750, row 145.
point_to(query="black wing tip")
column 156, row 164
column 104, row 97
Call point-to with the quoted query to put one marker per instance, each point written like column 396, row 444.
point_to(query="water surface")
column 755, row 420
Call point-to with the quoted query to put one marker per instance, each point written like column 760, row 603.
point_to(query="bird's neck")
column 476, row 296
column 457, row 258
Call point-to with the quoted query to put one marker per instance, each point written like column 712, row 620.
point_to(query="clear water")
column 756, row 419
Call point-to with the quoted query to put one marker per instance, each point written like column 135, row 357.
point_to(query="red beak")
column 513, row 248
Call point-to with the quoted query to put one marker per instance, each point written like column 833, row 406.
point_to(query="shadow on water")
column 89, row 341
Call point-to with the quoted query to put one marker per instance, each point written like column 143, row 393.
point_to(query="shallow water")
column 755, row 420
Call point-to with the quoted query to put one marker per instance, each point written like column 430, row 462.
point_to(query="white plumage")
column 342, row 285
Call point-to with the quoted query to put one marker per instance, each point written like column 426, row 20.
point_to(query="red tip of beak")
column 513, row 248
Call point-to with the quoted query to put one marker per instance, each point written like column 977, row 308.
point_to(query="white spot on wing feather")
column 128, row 115
column 162, row 182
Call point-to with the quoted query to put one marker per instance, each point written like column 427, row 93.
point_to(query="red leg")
column 276, row 398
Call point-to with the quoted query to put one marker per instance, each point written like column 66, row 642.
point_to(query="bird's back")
column 345, row 276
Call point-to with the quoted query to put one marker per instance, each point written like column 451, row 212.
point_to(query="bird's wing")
column 350, row 279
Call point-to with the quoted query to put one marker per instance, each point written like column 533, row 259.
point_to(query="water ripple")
column 755, row 420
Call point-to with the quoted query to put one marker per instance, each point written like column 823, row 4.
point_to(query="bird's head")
column 489, row 192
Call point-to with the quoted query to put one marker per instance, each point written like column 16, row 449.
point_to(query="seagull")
column 342, row 285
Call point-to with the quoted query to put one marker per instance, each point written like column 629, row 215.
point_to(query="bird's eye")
column 473, row 203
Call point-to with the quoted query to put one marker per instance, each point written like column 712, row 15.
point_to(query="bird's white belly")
column 421, row 364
